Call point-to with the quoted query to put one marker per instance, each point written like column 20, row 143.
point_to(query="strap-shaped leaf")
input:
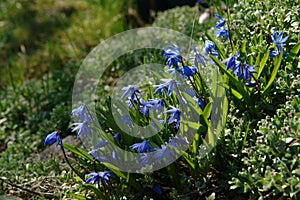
column 262, row 64
column 277, row 63
column 293, row 53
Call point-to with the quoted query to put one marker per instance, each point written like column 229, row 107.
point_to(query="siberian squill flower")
column 234, row 64
column 81, row 112
column 157, row 190
column 173, row 56
column 95, row 154
column 210, row 48
column 143, row 147
column 175, row 116
column 130, row 90
column 144, row 107
column 222, row 32
column 248, row 70
column 221, row 22
column 104, row 177
column 169, row 84
column 200, row 102
column 158, row 104
column 117, row 137
column 279, row 42
column 199, row 58
column 53, row 137
column 177, row 141
column 83, row 129
column 187, row 71
column 163, row 153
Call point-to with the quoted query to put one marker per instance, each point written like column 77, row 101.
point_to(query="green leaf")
column 232, row 91
column 243, row 48
column 277, row 63
column 293, row 53
column 207, row 110
column 262, row 64
column 78, row 151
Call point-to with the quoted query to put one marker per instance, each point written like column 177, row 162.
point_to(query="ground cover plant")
column 256, row 51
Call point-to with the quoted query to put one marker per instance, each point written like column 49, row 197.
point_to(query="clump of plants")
column 248, row 77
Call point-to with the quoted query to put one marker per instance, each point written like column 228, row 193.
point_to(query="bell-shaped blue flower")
column 83, row 129
column 143, row 147
column 222, row 32
column 173, row 56
column 210, row 48
column 158, row 104
column 169, row 84
column 82, row 113
column 175, row 116
column 221, row 22
column 278, row 40
column 104, row 177
column 248, row 71
column 53, row 137
column 187, row 71
column 199, row 58
column 130, row 90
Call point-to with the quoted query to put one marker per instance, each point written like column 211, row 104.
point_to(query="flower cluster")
column 221, row 32
column 241, row 70
column 163, row 102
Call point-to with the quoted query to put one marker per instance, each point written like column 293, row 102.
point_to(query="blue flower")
column 101, row 144
column 236, row 65
column 210, row 48
column 164, row 153
column 158, row 104
column 95, row 154
column 177, row 141
column 157, row 190
column 173, row 55
column 82, row 114
column 200, row 102
column 222, row 32
column 199, row 58
column 169, row 84
column 143, row 147
column 175, row 117
column 221, row 22
column 248, row 70
column 187, row 70
column 53, row 137
column 130, row 90
column 278, row 40
column 104, row 177
column 145, row 106
column 83, row 129
column 131, row 102
column 273, row 54
column 117, row 137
